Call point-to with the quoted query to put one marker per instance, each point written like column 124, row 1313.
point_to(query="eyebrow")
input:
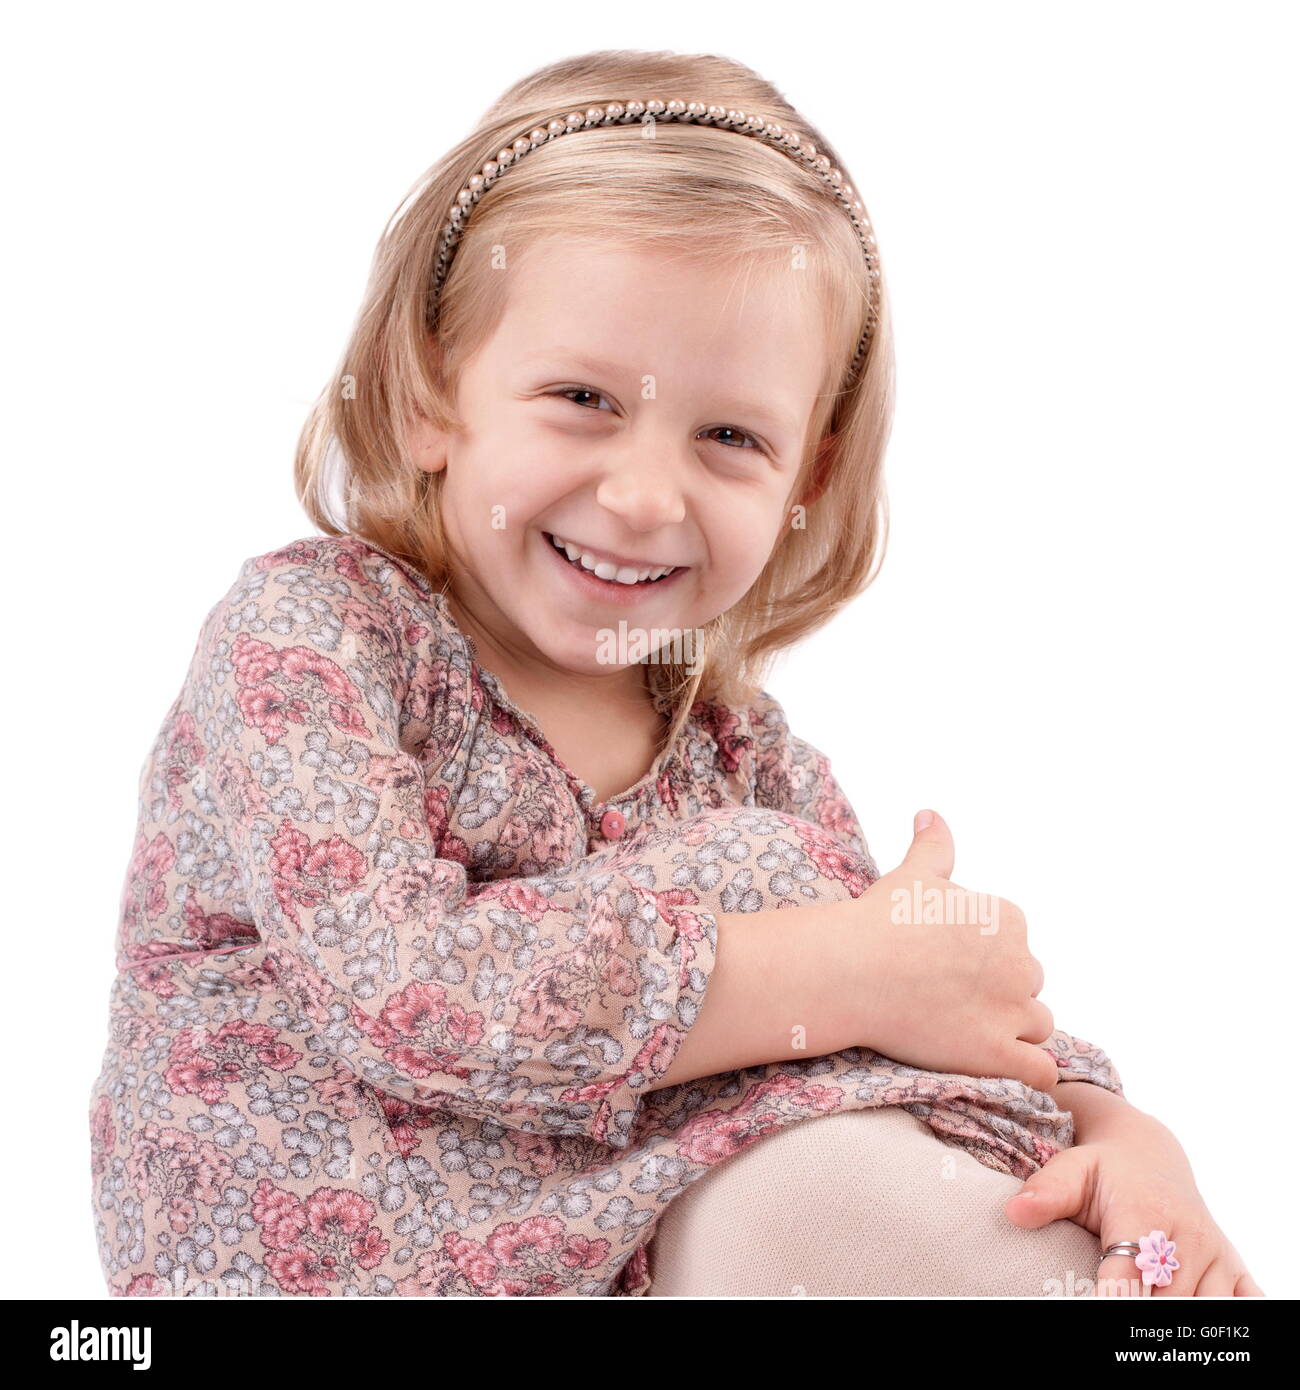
column 752, row 409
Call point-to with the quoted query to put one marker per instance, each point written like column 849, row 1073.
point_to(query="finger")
column 1057, row 1192
column 1033, row 1066
column 931, row 850
column 1040, row 1025
column 1118, row 1277
column 1218, row 1281
column 1183, row 1266
column 1194, row 1258
column 1248, row 1288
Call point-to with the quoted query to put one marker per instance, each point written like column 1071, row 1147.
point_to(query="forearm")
column 782, row 986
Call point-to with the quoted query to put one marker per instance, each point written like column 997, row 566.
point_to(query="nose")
column 643, row 488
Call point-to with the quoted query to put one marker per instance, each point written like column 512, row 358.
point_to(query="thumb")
column 1056, row 1192
column 931, row 848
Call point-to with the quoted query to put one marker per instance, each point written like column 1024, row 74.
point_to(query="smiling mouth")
column 628, row 575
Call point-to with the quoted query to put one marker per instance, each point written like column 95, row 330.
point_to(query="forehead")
column 746, row 319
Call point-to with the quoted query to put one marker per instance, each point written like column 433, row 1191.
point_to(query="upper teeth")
column 602, row 569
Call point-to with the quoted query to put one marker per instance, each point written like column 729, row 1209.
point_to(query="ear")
column 426, row 444
column 819, row 473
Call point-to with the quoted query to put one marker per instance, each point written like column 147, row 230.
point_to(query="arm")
column 546, row 1003
column 1096, row 1110
column 774, row 971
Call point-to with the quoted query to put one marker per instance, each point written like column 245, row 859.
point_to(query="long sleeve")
column 792, row 775
column 546, row 1003
column 1077, row 1060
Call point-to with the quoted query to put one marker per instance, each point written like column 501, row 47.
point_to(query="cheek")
column 742, row 533
column 499, row 486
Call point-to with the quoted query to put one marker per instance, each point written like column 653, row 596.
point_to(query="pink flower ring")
column 1156, row 1260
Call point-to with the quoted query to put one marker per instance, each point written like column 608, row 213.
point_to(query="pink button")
column 612, row 824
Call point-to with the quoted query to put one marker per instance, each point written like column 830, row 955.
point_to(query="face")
column 649, row 415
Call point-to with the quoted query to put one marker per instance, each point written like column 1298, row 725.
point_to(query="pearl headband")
column 618, row 113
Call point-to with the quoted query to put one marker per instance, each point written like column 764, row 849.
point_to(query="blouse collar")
column 586, row 796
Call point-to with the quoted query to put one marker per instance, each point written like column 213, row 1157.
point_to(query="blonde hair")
column 697, row 192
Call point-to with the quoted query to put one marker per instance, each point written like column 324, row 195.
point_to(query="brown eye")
column 730, row 429
column 568, row 392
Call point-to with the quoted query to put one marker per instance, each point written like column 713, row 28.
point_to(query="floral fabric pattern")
column 389, row 1002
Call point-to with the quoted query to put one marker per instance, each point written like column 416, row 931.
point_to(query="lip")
column 608, row 590
column 619, row 561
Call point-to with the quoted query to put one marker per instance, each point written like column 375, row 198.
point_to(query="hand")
column 951, row 987
column 1133, row 1178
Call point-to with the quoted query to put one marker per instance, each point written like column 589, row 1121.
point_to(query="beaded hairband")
column 619, row 113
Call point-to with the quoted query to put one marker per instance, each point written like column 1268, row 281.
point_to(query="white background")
column 1081, row 648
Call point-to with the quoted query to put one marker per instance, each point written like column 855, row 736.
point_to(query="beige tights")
column 865, row 1202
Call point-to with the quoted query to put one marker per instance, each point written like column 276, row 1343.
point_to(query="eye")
column 568, row 392
column 731, row 429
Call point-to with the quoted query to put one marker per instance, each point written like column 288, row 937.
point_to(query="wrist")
column 1096, row 1110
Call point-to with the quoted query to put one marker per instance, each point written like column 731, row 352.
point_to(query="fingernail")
column 923, row 821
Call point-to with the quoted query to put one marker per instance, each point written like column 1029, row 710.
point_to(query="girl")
column 456, row 951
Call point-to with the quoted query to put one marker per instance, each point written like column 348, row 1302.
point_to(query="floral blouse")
column 394, row 987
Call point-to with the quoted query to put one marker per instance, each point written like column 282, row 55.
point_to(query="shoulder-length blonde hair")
column 694, row 191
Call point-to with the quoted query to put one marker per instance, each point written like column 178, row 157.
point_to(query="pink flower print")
column 342, row 1093
column 1156, row 1260
column 183, row 754
column 298, row 552
column 815, row 1097
column 417, row 1007
column 722, row 723
column 254, row 661
column 103, row 1134
column 369, row 1249
column 205, row 1062
column 514, row 1242
column 313, row 991
column 299, row 662
column 503, row 721
column 580, row 1253
column 335, row 864
column 834, row 860
column 358, row 615
column 422, row 1025
column 216, row 928
column 280, row 1214
column 436, row 800
column 270, row 712
column 336, row 861
column 237, row 790
column 335, row 1211
column 471, row 1260
column 300, row 1270
column 405, row 1121
column 347, row 718
column 176, row 1166
column 345, row 560
column 711, row 1136
column 147, row 875
column 655, row 1055
column 131, row 1031
column 553, row 1001
column 144, row 1286
column 525, row 900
